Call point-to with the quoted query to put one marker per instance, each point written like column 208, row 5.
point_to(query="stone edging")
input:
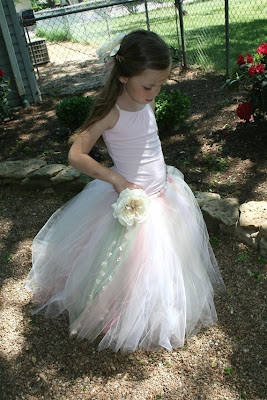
column 247, row 221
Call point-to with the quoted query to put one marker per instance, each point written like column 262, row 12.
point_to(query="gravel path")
column 40, row 361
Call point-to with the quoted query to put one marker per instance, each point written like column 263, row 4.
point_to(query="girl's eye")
column 146, row 88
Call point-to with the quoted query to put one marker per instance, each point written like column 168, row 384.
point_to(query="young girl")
column 140, row 283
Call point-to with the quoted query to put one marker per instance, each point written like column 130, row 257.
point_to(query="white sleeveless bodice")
column 135, row 149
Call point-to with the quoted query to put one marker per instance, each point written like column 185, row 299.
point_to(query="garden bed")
column 215, row 150
column 40, row 360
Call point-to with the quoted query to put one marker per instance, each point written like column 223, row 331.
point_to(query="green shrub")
column 40, row 5
column 172, row 108
column 73, row 111
column 213, row 161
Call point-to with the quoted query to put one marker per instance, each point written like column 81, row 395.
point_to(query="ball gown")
column 151, row 286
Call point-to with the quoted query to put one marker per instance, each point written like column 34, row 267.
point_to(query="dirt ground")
column 225, row 362
column 67, row 70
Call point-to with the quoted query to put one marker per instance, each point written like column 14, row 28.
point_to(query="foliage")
column 73, row 111
column 214, row 241
column 213, row 161
column 4, row 90
column 38, row 5
column 172, row 108
column 132, row 8
column 251, row 75
column 228, row 371
column 55, row 35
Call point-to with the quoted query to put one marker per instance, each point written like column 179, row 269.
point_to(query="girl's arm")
column 79, row 158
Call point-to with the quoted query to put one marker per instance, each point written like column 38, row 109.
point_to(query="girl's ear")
column 123, row 79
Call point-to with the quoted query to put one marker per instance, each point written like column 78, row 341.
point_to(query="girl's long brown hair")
column 139, row 50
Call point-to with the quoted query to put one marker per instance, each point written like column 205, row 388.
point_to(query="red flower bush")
column 2, row 73
column 249, row 58
column 245, row 110
column 256, row 69
column 252, row 76
column 262, row 49
column 241, row 60
column 252, row 70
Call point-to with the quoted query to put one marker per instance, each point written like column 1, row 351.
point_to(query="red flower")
column 256, row 69
column 241, row 60
column 2, row 73
column 252, row 70
column 262, row 49
column 249, row 58
column 245, row 110
column 260, row 68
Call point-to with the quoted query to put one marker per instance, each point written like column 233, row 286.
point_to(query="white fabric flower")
column 111, row 48
column 131, row 207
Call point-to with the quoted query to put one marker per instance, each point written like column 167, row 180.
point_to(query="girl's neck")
column 126, row 103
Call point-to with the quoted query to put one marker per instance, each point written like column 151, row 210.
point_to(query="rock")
column 218, row 213
column 248, row 236
column 263, row 247
column 19, row 169
column 253, row 214
column 84, row 64
column 48, row 171
column 224, row 210
column 203, row 197
column 221, row 214
column 41, row 178
column 66, row 175
column 263, row 229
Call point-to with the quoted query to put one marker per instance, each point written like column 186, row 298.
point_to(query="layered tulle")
column 145, row 287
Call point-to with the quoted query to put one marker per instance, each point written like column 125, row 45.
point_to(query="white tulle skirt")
column 147, row 287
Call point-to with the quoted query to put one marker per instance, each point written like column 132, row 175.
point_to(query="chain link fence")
column 208, row 34
column 205, row 30
column 247, row 26
column 67, row 38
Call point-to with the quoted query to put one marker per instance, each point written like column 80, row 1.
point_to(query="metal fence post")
column 227, row 45
column 177, row 32
column 178, row 4
column 147, row 16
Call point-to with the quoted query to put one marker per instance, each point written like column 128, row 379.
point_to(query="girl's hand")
column 122, row 184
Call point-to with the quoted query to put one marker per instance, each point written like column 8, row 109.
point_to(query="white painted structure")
column 15, row 59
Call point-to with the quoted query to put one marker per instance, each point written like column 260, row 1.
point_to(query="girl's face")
column 143, row 88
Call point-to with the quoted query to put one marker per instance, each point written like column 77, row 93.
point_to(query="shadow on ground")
column 40, row 359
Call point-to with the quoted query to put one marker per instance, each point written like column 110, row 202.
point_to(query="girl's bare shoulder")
column 111, row 118
column 98, row 128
